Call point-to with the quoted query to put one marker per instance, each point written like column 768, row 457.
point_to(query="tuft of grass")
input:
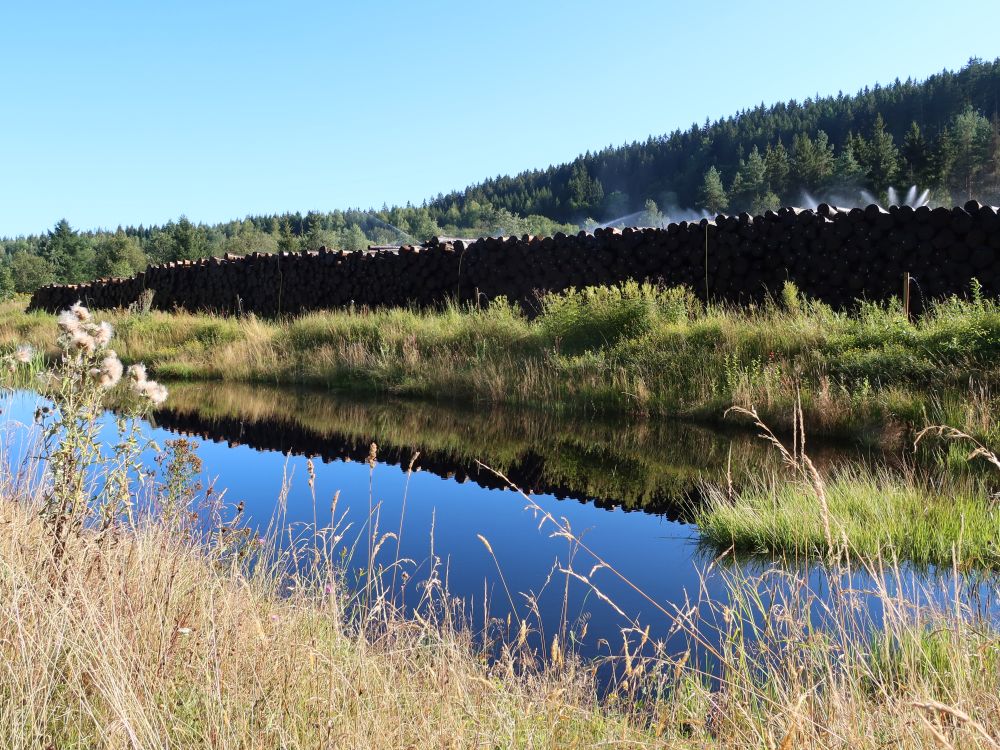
column 876, row 513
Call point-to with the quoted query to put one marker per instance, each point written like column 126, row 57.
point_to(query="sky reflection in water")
column 625, row 491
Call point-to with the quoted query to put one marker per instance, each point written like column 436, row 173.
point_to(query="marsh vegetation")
column 867, row 373
column 155, row 613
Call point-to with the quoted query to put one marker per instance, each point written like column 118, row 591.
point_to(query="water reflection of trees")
column 650, row 465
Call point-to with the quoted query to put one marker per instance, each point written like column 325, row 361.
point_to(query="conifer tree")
column 777, row 169
column 970, row 137
column 750, row 181
column 713, row 195
column 651, row 216
column 187, row 241
column 916, row 154
column 847, row 172
column 881, row 157
column 287, row 242
column 69, row 254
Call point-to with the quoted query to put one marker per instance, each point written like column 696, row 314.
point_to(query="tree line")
column 941, row 134
column 68, row 256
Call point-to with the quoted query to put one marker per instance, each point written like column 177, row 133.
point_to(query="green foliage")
column 969, row 140
column 812, row 160
column 922, row 521
column 791, row 298
column 879, row 157
column 118, row 255
column 860, row 373
column 777, row 168
column 599, row 317
column 713, row 193
column 30, row 272
column 7, row 289
column 750, row 180
column 69, row 254
column 78, row 387
column 186, row 241
column 586, row 194
column 847, row 172
column 674, row 165
column 651, row 215
column 835, row 147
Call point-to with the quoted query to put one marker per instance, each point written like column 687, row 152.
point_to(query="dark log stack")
column 833, row 254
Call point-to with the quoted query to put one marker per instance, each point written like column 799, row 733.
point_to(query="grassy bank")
column 127, row 624
column 635, row 350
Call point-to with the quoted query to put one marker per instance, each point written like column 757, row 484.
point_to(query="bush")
column 599, row 317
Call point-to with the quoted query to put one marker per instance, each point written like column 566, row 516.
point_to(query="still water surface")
column 624, row 487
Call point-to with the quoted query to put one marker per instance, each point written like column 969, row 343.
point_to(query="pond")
column 624, row 487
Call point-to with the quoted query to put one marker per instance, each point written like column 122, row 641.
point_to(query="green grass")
column 876, row 513
column 633, row 349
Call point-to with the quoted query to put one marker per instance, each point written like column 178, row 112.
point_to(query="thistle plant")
column 85, row 487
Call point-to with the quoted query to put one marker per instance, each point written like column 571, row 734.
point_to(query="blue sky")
column 136, row 112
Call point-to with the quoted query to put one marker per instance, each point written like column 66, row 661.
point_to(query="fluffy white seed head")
column 155, row 392
column 80, row 312
column 68, row 322
column 137, row 373
column 83, row 341
column 109, row 374
column 103, row 333
column 23, row 354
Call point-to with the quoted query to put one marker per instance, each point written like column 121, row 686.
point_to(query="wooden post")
column 906, row 295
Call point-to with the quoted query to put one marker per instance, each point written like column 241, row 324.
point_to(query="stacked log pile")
column 833, row 254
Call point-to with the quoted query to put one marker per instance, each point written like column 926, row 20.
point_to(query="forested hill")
column 939, row 134
column 942, row 135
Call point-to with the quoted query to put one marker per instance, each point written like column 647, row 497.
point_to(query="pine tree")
column 765, row 202
column 69, row 254
column 750, row 181
column 993, row 166
column 651, row 216
column 881, row 160
column 970, row 135
column 917, row 157
column 777, row 169
column 713, row 195
column 585, row 193
column 812, row 161
column 287, row 242
column 847, row 172
column 187, row 241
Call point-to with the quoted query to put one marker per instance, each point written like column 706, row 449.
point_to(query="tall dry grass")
column 165, row 623
column 154, row 631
